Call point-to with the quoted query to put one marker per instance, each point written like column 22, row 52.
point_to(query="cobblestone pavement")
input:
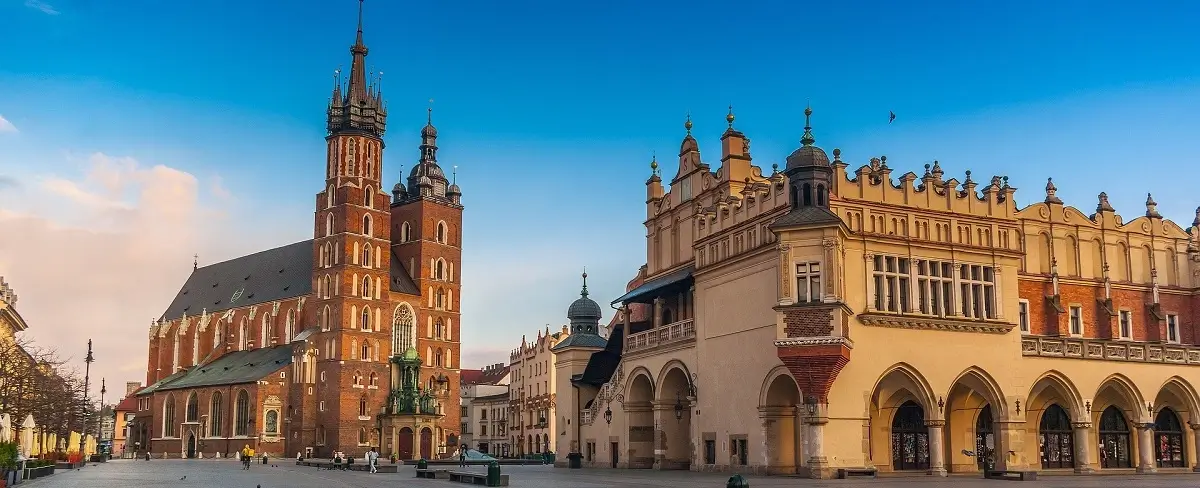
column 228, row 474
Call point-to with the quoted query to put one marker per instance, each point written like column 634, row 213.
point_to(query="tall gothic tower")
column 427, row 239
column 349, row 342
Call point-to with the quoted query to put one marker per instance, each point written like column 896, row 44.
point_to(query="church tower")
column 348, row 342
column 426, row 216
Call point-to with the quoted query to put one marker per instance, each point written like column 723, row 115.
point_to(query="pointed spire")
column 357, row 91
column 454, row 175
column 195, row 262
column 584, row 292
column 359, row 41
column 807, row 139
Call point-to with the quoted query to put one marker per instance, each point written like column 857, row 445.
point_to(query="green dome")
column 411, row 353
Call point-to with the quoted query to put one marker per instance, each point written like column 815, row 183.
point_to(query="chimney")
column 132, row 386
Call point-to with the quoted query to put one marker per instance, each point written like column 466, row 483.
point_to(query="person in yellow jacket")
column 247, row 454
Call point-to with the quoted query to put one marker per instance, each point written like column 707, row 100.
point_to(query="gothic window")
column 405, row 232
column 217, row 334
column 373, row 380
column 1056, row 439
column 357, row 378
column 329, row 224
column 354, row 349
column 439, row 269
column 351, row 157
column 329, row 194
column 362, row 434
column 271, row 421
column 367, row 197
column 437, row 358
column 441, row 232
column 403, row 330
column 192, row 413
column 1169, row 446
column 366, row 350
column 366, row 225
column 215, row 415
column 441, row 299
column 241, row 414
column 289, row 327
column 366, row 256
column 910, row 438
column 366, row 287
column 363, row 411
column 196, row 346
column 243, row 336
column 169, row 416
column 265, row 334
column 1114, row 439
column 440, row 329
column 175, row 350
column 324, row 319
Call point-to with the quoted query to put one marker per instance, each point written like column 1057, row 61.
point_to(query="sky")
column 136, row 134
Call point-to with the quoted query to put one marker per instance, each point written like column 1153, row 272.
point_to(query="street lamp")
column 87, row 369
column 678, row 407
column 608, row 414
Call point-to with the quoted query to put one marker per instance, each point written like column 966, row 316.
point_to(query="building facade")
column 483, row 385
column 532, row 399
column 490, row 424
column 825, row 317
column 298, row 349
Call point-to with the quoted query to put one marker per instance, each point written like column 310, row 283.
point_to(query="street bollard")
column 737, row 481
column 493, row 474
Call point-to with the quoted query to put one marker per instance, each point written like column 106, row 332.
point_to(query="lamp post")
column 678, row 407
column 87, row 369
column 608, row 415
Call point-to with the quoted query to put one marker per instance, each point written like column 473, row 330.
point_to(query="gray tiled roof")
column 274, row 274
column 581, row 339
column 807, row 216
column 158, row 384
column 234, row 368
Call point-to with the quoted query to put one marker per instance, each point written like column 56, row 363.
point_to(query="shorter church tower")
column 571, row 357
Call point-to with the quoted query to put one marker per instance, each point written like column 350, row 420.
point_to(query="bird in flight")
column 891, row 116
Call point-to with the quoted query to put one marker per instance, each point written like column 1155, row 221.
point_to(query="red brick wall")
column 1097, row 323
column 808, row 321
column 223, row 441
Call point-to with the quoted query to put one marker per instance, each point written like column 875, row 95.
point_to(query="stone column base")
column 1084, row 470
column 938, row 472
column 1147, row 469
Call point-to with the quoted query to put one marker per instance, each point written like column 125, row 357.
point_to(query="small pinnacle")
column 688, row 123
column 729, row 118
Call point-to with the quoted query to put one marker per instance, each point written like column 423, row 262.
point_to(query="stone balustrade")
column 683, row 330
column 1110, row 350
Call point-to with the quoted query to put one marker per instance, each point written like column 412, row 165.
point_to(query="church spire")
column 359, row 106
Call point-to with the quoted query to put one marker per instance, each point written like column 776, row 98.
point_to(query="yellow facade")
column 817, row 318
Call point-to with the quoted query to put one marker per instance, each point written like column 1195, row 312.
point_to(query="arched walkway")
column 906, row 423
column 673, row 413
column 1114, row 439
column 971, row 419
column 639, row 415
column 1170, row 446
column 1178, row 398
column 1118, row 407
column 781, row 413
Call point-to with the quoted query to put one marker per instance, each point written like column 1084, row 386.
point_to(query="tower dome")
column 584, row 308
column 807, row 155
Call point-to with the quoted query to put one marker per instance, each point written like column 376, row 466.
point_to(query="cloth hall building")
column 822, row 316
column 341, row 343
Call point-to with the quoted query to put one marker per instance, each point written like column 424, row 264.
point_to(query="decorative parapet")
column 815, row 341
column 1106, row 350
column 684, row 330
column 935, row 323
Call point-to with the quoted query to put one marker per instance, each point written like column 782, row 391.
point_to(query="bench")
column 844, row 473
column 433, row 474
column 475, row 478
column 1011, row 475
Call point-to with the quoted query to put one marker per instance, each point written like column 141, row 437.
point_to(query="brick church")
column 340, row 343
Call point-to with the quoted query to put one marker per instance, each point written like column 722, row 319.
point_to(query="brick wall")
column 808, row 320
column 815, row 367
column 1097, row 323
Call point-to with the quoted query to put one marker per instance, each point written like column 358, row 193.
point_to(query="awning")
column 657, row 284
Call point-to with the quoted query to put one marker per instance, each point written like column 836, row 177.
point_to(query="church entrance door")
column 191, row 446
column 426, row 443
column 404, row 447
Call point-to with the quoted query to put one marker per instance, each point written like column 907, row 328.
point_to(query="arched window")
column 241, row 414
column 169, row 416
column 441, row 298
column 439, row 269
column 362, row 409
column 366, row 350
column 329, row 224
column 366, row 225
column 243, row 336
column 217, row 334
column 174, row 352
column 357, row 378
column 351, row 157
column 984, row 436
column 329, row 197
column 821, row 195
column 366, row 256
column 1056, row 438
column 373, row 379
column 403, row 330
column 910, row 438
column 290, row 326
column 264, row 334
column 1114, row 439
column 405, row 232
column 437, row 357
column 439, row 329
column 215, row 415
column 367, row 197
column 362, row 434
column 441, row 232
column 1169, row 447
column 271, row 422
column 354, row 349
column 325, row 319
column 807, row 195
column 193, row 408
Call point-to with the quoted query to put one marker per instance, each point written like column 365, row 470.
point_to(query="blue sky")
column 552, row 109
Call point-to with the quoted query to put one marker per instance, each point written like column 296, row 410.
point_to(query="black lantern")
column 608, row 415
column 678, row 407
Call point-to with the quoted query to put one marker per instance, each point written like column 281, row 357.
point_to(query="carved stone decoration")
column 785, row 268
column 275, row 309
column 228, row 316
column 253, row 312
column 300, row 304
column 204, row 319
column 933, row 323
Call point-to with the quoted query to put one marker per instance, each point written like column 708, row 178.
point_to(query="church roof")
column 806, row 216
column 581, row 340
column 234, row 368
column 265, row 276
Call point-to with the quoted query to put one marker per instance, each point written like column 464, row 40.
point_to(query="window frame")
column 1125, row 325
column 1075, row 314
column 1173, row 329
column 809, row 279
column 1023, row 322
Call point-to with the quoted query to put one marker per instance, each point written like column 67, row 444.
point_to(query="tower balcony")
column 681, row 333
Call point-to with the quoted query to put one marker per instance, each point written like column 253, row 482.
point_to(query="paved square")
column 228, row 474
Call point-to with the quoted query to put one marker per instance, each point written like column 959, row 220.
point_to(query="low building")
column 123, row 414
column 489, row 381
column 531, row 395
column 490, row 424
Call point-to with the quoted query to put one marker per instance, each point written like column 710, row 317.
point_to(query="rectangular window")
column 1023, row 315
column 808, row 282
column 892, row 276
column 1173, row 328
column 978, row 291
column 1076, row 320
column 935, row 288
column 1126, row 325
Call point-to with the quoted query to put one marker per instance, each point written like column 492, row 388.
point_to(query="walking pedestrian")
column 372, row 458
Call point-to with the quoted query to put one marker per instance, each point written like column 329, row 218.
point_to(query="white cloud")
column 6, row 126
column 98, row 255
column 43, row 6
